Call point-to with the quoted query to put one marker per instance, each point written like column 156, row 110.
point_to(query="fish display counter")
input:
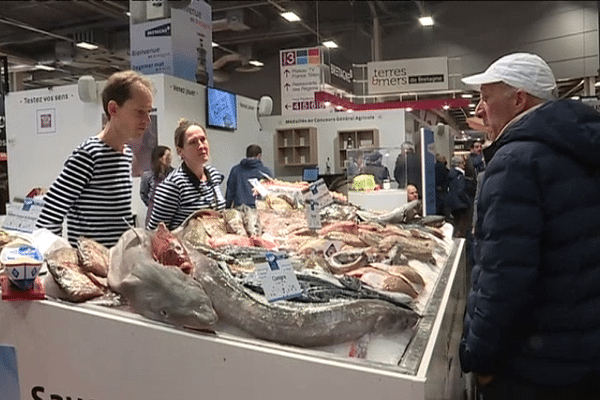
column 87, row 351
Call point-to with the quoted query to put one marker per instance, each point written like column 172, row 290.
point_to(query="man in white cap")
column 532, row 324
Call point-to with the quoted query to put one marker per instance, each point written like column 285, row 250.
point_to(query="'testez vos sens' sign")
column 409, row 75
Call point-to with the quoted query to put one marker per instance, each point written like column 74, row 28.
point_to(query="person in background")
column 407, row 169
column 373, row 166
column 412, row 194
column 239, row 190
column 474, row 166
column 458, row 202
column 441, row 182
column 94, row 189
column 161, row 166
column 193, row 186
column 475, row 163
column 532, row 327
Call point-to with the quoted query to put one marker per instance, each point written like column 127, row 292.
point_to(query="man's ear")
column 522, row 100
column 112, row 107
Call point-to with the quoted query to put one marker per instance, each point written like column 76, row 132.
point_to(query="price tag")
column 313, row 218
column 22, row 216
column 332, row 247
column 318, row 192
column 277, row 278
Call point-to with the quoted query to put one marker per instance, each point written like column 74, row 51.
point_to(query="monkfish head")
column 166, row 294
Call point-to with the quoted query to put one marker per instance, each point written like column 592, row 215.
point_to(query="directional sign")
column 301, row 74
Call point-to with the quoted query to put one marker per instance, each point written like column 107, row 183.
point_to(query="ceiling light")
column 472, row 105
column 128, row 13
column 44, row 67
column 466, row 96
column 575, row 98
column 472, row 112
column 290, row 16
column 426, row 21
column 87, row 46
column 327, row 103
column 330, row 44
column 256, row 63
column 214, row 44
column 349, row 110
column 597, row 84
column 446, row 107
column 408, row 109
column 338, row 107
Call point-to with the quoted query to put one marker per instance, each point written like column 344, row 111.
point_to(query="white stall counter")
column 91, row 352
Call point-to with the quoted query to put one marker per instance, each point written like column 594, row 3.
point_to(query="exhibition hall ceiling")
column 36, row 34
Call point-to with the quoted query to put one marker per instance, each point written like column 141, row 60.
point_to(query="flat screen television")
column 221, row 109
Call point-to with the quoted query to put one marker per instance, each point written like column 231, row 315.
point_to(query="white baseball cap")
column 520, row 70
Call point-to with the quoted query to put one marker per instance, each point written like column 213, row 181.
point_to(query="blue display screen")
column 310, row 174
column 221, row 109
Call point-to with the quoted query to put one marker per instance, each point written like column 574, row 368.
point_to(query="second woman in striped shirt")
column 193, row 186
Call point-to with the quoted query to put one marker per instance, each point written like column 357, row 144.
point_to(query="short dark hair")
column 472, row 143
column 183, row 126
column 253, row 150
column 118, row 88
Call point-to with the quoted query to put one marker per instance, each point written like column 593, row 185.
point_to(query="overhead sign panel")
column 409, row 75
column 301, row 76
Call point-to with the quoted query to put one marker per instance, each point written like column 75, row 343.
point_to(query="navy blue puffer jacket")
column 533, row 310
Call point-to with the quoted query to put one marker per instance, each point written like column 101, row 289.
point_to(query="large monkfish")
column 159, row 292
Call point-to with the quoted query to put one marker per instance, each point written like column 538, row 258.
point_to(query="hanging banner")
column 410, row 75
column 192, row 42
column 151, row 49
column 179, row 46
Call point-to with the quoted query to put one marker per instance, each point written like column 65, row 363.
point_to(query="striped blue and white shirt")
column 93, row 191
column 181, row 193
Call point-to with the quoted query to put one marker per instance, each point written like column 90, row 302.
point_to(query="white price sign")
column 22, row 216
column 318, row 192
column 277, row 278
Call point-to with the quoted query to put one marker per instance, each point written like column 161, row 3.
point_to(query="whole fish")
column 159, row 292
column 93, row 256
column 299, row 324
column 74, row 284
column 396, row 216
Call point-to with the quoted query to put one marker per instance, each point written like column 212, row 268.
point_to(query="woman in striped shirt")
column 193, row 186
column 94, row 188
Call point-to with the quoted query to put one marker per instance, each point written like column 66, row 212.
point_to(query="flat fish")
column 381, row 280
column 74, row 284
column 156, row 291
column 93, row 256
column 304, row 325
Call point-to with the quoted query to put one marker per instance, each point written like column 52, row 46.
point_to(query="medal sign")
column 277, row 278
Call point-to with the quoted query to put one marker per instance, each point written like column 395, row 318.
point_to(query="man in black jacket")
column 532, row 326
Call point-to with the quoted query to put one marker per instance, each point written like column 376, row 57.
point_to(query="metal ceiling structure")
column 42, row 33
